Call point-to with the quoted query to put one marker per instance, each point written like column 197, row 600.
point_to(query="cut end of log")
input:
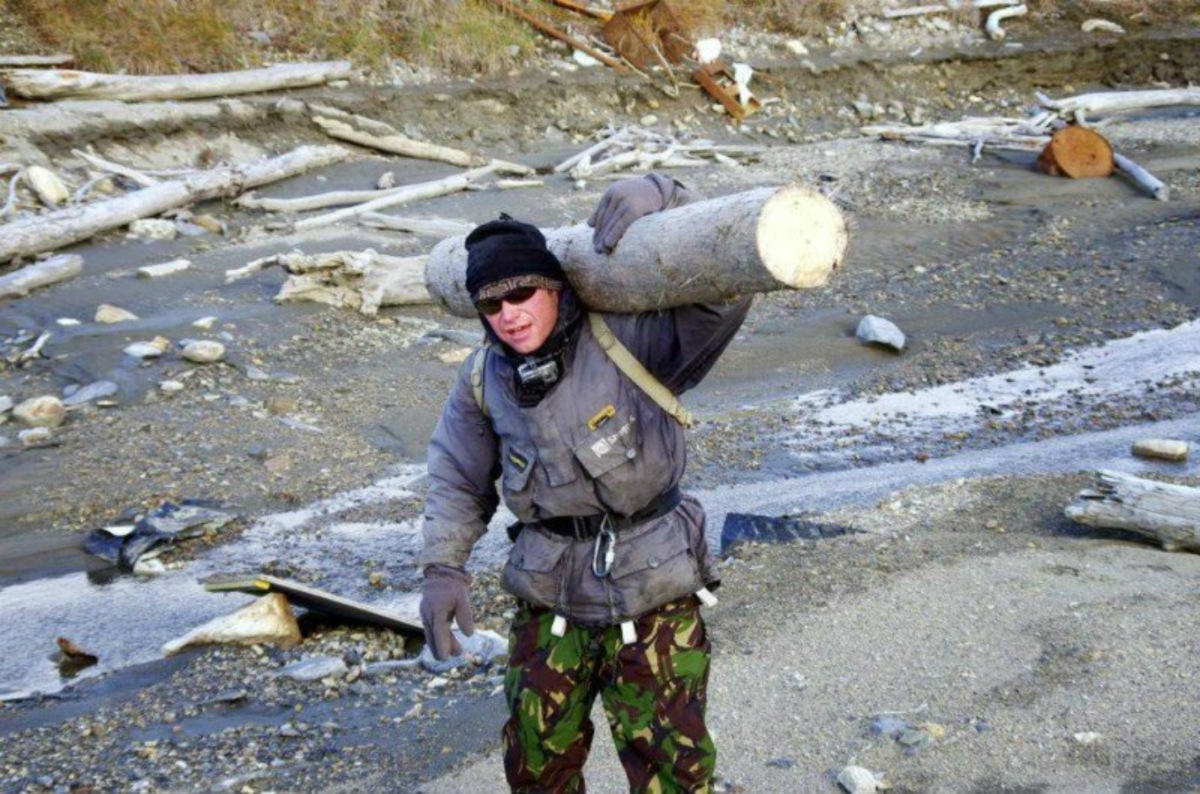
column 1077, row 152
column 802, row 237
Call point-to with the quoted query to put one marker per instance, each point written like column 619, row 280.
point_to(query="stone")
column 266, row 620
column 113, row 314
column 281, row 404
column 314, row 669
column 387, row 181
column 170, row 386
column 44, row 411
column 165, row 269
column 796, row 47
column 1162, row 449
column 204, row 352
column 93, row 391
column 6, row 403
column 204, row 323
column 209, row 224
column 152, row 349
column 857, row 780
column 1087, row 737
column 153, row 229
column 67, row 322
column 35, row 436
column 47, row 185
column 874, row 330
column 482, row 646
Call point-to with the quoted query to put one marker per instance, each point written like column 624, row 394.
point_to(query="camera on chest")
column 538, row 372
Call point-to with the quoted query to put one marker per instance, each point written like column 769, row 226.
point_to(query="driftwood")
column 11, row 61
column 40, row 274
column 642, row 149
column 361, row 280
column 428, row 227
column 63, row 84
column 403, row 195
column 56, row 229
column 1167, row 513
column 1142, row 178
column 376, row 135
column 1108, row 102
column 555, row 33
column 757, row 241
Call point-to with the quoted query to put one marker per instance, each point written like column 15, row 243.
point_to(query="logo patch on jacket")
column 518, row 461
column 602, row 446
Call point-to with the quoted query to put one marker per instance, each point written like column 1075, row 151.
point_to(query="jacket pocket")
column 517, row 466
column 608, row 447
column 533, row 570
column 654, row 565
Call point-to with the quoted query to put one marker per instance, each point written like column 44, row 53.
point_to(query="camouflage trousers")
column 654, row 692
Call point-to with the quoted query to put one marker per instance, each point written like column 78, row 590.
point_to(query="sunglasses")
column 493, row 305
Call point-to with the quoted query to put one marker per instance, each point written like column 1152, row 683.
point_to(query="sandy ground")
column 1050, row 324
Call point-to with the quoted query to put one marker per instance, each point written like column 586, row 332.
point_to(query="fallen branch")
column 554, row 32
column 425, row 190
column 757, row 241
column 62, row 227
column 361, row 280
column 642, row 149
column 432, row 227
column 99, row 163
column 1108, row 102
column 1141, row 177
column 395, row 143
column 61, row 84
column 938, row 8
column 992, row 26
column 10, row 61
column 1167, row 513
column 334, row 198
column 40, row 274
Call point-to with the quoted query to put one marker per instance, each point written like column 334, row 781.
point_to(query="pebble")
column 6, row 403
column 204, row 352
column 170, row 386
column 35, row 436
column 315, row 669
column 47, row 185
column 153, row 229
column 878, row 331
column 67, row 322
column 209, row 224
column 857, row 780
column 204, row 323
column 113, row 314
column 44, row 411
column 1162, row 449
column 165, row 269
column 152, row 349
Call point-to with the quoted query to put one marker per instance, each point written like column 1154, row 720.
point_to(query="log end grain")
column 1077, row 152
column 801, row 237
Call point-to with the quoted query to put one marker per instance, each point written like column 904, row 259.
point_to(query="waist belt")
column 587, row 527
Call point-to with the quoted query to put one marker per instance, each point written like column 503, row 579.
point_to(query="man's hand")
column 626, row 201
column 445, row 596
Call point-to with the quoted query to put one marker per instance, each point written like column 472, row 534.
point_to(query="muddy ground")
column 987, row 266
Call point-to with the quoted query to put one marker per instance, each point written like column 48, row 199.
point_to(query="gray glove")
column 626, row 201
column 446, row 595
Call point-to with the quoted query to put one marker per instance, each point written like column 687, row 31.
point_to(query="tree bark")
column 40, row 274
column 63, row 84
column 66, row 226
column 1164, row 512
column 710, row 251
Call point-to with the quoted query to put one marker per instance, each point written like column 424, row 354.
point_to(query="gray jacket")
column 551, row 463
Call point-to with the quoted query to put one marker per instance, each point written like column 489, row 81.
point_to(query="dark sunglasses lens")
column 492, row 305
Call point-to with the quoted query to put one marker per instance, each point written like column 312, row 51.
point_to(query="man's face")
column 524, row 318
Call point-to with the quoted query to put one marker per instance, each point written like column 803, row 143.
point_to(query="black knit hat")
column 507, row 254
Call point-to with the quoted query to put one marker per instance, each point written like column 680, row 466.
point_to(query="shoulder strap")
column 636, row 372
column 478, row 360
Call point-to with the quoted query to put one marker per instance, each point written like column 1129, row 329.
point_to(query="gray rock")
column 35, row 436
column 6, row 403
column 874, row 330
column 314, row 669
column 857, row 780
column 93, row 391
column 482, row 646
column 45, row 411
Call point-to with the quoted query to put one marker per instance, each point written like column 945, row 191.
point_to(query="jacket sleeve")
column 463, row 468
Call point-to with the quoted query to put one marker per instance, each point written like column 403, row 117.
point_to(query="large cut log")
column 63, row 84
column 1167, row 513
column 758, row 241
column 61, row 228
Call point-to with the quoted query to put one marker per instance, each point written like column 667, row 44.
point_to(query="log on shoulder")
column 1162, row 511
column 64, row 84
column 758, row 241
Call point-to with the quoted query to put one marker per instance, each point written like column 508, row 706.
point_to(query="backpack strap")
column 478, row 360
column 636, row 371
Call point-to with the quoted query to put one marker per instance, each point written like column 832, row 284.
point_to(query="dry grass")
column 461, row 36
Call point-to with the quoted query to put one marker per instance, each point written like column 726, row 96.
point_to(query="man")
column 608, row 556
